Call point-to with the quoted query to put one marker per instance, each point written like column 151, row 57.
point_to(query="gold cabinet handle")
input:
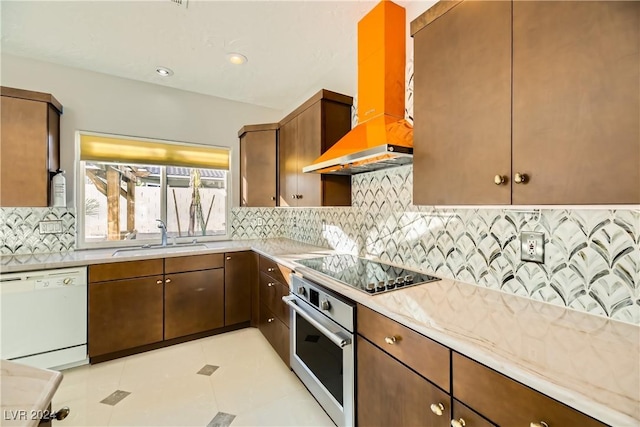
column 271, row 269
column 390, row 340
column 269, row 320
column 499, row 180
column 159, row 282
column 228, row 258
column 540, row 424
column 437, row 408
column 167, row 281
column 458, row 423
column 520, row 178
column 270, row 284
column 293, row 196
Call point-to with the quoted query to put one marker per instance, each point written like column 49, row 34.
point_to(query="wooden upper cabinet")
column 305, row 134
column 29, row 146
column 258, row 156
column 576, row 102
column 548, row 91
column 462, row 106
column 288, row 162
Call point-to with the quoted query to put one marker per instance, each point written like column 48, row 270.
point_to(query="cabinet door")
column 288, row 158
column 576, row 108
column 390, row 394
column 240, row 275
column 258, row 169
column 275, row 332
column 124, row 314
column 309, row 149
column 193, row 302
column 462, row 106
column 24, row 153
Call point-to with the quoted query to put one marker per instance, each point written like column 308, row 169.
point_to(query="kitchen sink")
column 157, row 249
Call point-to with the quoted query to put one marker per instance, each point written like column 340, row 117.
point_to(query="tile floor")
column 234, row 379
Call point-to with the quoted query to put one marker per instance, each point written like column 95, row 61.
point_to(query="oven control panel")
column 330, row 304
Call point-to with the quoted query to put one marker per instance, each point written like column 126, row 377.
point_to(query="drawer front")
column 273, row 269
column 420, row 353
column 468, row 417
column 275, row 332
column 390, row 394
column 271, row 293
column 193, row 263
column 124, row 270
column 507, row 402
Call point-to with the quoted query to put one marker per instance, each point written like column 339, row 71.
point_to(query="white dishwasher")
column 44, row 317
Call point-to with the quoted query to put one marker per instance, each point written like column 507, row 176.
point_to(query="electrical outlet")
column 259, row 221
column 532, row 246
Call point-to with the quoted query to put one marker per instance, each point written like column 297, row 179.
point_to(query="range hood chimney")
column 382, row 138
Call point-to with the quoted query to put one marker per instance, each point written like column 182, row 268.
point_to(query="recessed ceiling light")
column 236, row 58
column 164, row 71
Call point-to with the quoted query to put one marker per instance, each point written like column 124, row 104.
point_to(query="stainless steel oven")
column 322, row 347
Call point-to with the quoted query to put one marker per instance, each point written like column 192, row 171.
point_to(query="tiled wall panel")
column 592, row 260
column 20, row 234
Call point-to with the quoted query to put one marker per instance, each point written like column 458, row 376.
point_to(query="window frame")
column 80, row 171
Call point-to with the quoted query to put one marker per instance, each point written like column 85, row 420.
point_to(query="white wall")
column 102, row 103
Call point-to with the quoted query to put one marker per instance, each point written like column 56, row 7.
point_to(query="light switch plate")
column 532, row 246
column 50, row 227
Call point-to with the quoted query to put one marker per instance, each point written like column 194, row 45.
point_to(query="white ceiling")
column 294, row 47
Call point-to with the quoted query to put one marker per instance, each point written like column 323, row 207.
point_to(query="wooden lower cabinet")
column 507, row 402
column 391, row 394
column 193, row 302
column 240, row 271
column 276, row 332
column 124, row 314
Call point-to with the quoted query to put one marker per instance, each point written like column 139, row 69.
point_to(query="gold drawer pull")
column 458, row 423
column 499, row 180
column 271, row 269
column 269, row 320
column 540, row 424
column 159, row 282
column 391, row 340
column 270, row 284
column 437, row 408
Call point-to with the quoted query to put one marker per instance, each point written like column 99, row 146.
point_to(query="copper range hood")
column 382, row 138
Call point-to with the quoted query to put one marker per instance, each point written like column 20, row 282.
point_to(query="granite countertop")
column 588, row 362
column 26, row 393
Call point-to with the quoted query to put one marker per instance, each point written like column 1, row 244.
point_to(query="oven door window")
column 321, row 356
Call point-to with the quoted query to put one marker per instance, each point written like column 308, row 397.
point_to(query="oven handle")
column 337, row 340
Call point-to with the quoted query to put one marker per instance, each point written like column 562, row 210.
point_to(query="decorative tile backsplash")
column 592, row 256
column 20, row 231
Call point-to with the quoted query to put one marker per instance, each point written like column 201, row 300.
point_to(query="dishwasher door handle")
column 336, row 339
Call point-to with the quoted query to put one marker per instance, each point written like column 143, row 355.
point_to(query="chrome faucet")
column 162, row 226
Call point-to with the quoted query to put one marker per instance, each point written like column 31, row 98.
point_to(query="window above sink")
column 121, row 195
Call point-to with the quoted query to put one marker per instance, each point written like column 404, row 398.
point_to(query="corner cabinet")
column 527, row 103
column 29, row 147
column 304, row 135
column 240, row 273
column 258, row 173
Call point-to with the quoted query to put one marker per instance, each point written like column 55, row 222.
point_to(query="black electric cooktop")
column 368, row 276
